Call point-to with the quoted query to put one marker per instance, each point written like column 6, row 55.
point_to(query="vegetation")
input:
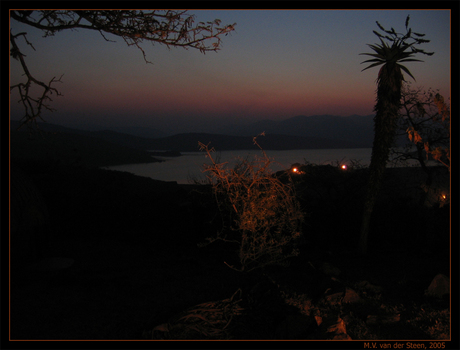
column 135, row 239
column 428, row 126
column 425, row 122
column 260, row 213
column 173, row 28
column 401, row 48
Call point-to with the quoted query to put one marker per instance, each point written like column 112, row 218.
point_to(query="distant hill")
column 70, row 146
column 127, row 140
column 300, row 132
column 354, row 128
column 189, row 142
column 145, row 132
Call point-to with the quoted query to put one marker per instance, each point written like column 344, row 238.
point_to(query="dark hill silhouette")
column 189, row 142
column 144, row 132
column 67, row 146
column 354, row 128
column 315, row 132
column 114, row 137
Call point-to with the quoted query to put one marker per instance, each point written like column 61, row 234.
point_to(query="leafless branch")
column 33, row 106
column 173, row 28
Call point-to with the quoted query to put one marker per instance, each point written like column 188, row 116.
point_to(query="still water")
column 190, row 164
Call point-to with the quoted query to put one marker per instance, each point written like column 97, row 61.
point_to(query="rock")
column 368, row 287
column 343, row 296
column 439, row 286
column 342, row 336
column 351, row 296
column 338, row 328
column 330, row 327
column 334, row 298
column 338, row 331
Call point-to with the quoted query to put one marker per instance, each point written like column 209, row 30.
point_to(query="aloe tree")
column 393, row 49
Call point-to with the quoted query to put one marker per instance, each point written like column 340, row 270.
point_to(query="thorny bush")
column 260, row 213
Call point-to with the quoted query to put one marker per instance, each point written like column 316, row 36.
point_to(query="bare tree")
column 260, row 213
column 425, row 122
column 173, row 28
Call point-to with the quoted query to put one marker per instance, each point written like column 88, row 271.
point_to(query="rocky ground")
column 132, row 242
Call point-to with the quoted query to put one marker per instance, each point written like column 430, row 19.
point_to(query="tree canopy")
column 173, row 28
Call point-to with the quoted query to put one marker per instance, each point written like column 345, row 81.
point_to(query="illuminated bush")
column 260, row 213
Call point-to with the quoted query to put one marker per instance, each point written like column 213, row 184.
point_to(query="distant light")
column 443, row 196
column 295, row 170
column 344, row 167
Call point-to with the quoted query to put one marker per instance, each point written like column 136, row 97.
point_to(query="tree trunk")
column 385, row 124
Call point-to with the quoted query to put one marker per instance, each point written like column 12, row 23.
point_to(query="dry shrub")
column 260, row 213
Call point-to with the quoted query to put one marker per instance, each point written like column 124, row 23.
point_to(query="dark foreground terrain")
column 136, row 263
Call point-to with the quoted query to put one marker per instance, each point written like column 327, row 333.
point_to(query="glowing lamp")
column 344, row 167
column 295, row 170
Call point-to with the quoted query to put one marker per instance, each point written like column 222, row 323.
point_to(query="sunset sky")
column 276, row 65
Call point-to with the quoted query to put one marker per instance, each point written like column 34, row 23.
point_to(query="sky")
column 277, row 64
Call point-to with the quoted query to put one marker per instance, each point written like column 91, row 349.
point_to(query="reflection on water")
column 190, row 164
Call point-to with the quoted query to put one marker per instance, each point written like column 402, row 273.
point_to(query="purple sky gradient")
column 278, row 64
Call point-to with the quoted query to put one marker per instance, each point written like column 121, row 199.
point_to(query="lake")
column 190, row 164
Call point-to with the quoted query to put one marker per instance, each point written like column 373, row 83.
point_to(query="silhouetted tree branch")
column 426, row 124
column 425, row 119
column 32, row 106
column 172, row 28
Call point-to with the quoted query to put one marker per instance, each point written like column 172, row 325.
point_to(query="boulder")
column 342, row 296
column 368, row 287
column 439, row 286
column 338, row 327
column 334, row 298
column 342, row 336
column 350, row 296
column 338, row 331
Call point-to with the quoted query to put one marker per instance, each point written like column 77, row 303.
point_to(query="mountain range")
column 300, row 132
column 189, row 142
column 355, row 128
